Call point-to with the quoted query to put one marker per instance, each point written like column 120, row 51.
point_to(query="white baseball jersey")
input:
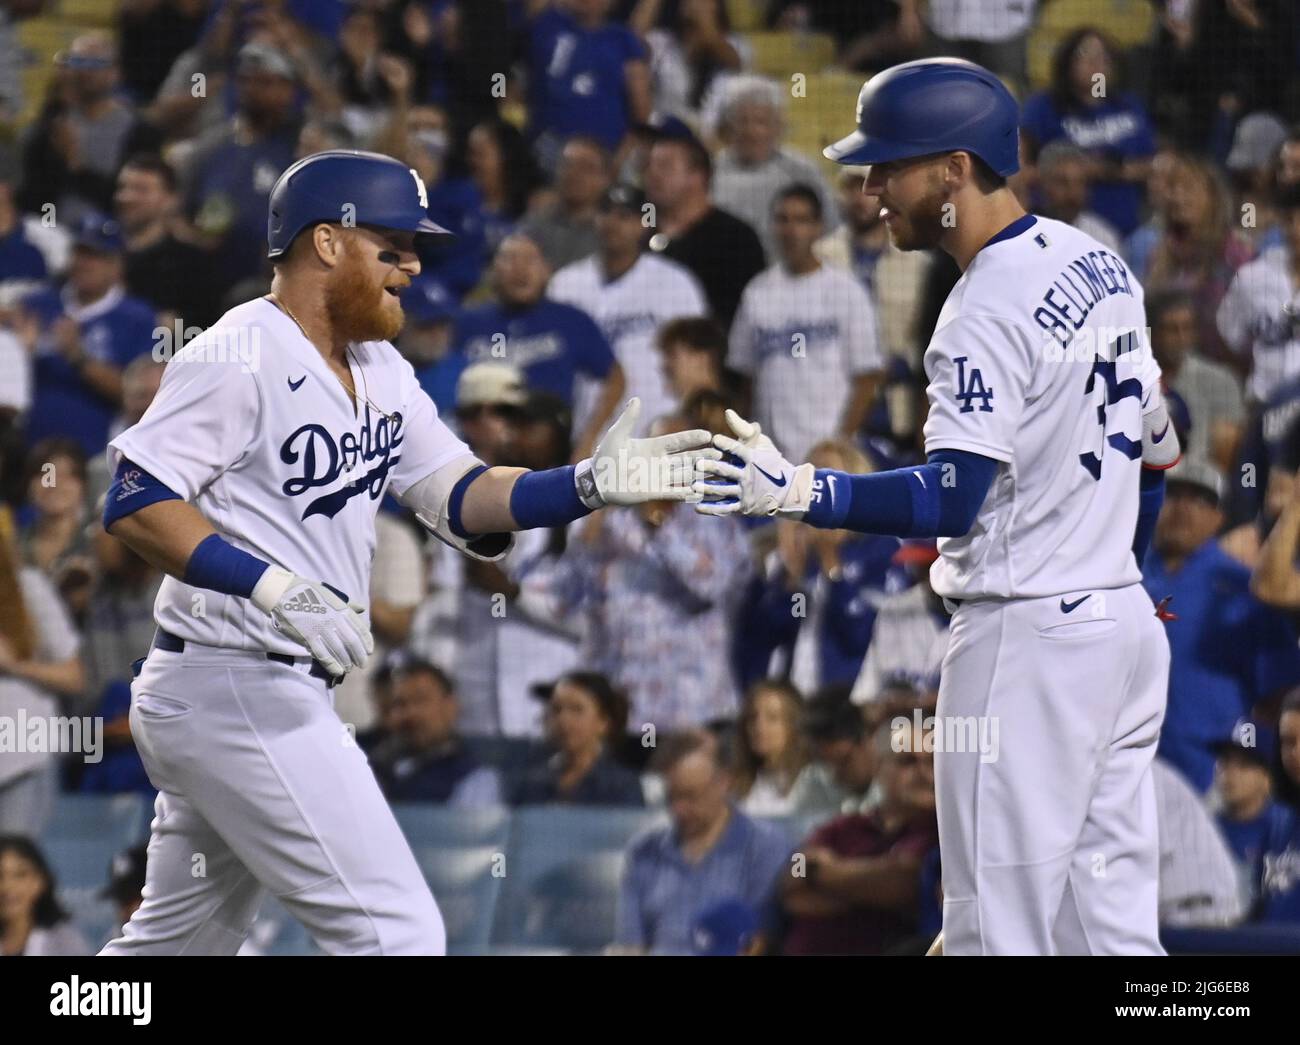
column 1040, row 361
column 252, row 427
column 803, row 339
column 1260, row 314
column 629, row 311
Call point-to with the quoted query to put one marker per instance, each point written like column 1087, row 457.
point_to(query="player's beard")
column 921, row 227
column 358, row 307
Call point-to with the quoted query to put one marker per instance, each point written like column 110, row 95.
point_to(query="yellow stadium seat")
column 824, row 114
column 102, row 13
column 746, row 14
column 1127, row 22
column 782, row 54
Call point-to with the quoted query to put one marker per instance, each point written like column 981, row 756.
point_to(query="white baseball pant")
column 1049, row 842
column 261, row 788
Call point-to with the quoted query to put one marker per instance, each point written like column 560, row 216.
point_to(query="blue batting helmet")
column 351, row 187
column 931, row 106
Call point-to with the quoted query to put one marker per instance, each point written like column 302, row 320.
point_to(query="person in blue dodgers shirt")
column 83, row 335
column 1279, row 885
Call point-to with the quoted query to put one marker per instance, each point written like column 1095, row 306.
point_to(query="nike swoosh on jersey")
column 773, row 478
column 295, row 385
column 1070, row 607
column 920, row 477
column 1163, row 432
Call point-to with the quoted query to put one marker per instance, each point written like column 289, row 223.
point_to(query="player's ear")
column 328, row 242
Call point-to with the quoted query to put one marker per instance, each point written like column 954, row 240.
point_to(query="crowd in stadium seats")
column 640, row 208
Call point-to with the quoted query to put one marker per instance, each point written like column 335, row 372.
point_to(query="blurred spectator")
column 586, row 75
column 119, row 622
column 631, row 295
column 140, row 382
column 38, row 666
column 893, row 277
column 721, row 250
column 1229, row 653
column 506, row 176
column 1140, row 243
column 53, row 537
column 1279, row 886
column 1199, row 249
column 151, row 33
column 1281, row 465
column 85, row 130
column 838, row 732
column 233, row 167
column 550, row 340
column 586, row 719
column 1252, row 165
column 1286, row 167
column 692, row 350
column 753, row 168
column 1210, row 390
column 657, row 586
column 871, row 34
column 82, row 335
column 32, row 921
column 425, row 340
column 774, row 775
column 125, row 885
column 423, row 759
column 811, row 617
column 507, row 615
column 691, row 52
column 396, row 589
column 1063, row 182
column 990, row 32
column 1198, row 882
column 20, row 259
column 162, row 267
column 860, row 886
column 806, row 335
column 711, row 853
column 1086, row 107
column 910, row 635
column 565, row 228
column 1249, row 815
column 1259, row 316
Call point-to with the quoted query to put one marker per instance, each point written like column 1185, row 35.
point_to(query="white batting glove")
column 335, row 631
column 624, row 470
column 756, row 480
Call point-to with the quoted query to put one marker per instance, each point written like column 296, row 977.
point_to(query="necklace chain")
column 348, row 349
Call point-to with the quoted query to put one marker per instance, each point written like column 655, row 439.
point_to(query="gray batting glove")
column 754, row 478
column 318, row 617
column 625, row 470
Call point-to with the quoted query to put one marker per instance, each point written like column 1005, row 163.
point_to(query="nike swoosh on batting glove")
column 318, row 617
column 753, row 477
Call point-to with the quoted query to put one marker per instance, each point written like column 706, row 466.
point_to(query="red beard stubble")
column 356, row 303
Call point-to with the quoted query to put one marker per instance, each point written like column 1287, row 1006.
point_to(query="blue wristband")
column 546, row 499
column 219, row 566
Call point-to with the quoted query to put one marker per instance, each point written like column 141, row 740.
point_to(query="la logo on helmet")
column 419, row 185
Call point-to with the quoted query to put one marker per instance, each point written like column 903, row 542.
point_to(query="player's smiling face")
column 912, row 195
column 361, row 297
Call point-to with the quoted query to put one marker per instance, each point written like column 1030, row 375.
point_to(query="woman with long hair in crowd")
column 774, row 774
column 1199, row 249
column 38, row 664
column 503, row 168
column 32, row 921
column 53, row 535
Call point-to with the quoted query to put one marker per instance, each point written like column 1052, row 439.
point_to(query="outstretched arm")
column 939, row 498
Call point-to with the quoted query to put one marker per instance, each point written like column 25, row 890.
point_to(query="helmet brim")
column 858, row 149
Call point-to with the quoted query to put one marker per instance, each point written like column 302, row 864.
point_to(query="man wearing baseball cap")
column 1243, row 776
column 82, row 336
column 1230, row 651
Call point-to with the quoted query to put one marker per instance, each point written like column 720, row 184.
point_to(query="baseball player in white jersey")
column 1044, row 405
column 253, row 481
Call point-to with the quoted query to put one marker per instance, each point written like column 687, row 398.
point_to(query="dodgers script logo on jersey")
column 322, row 460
